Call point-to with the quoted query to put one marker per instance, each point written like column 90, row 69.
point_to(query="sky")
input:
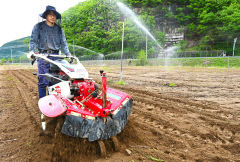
column 18, row 17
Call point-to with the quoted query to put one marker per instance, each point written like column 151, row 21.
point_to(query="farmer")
column 47, row 38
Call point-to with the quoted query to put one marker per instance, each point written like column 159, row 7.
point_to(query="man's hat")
column 48, row 9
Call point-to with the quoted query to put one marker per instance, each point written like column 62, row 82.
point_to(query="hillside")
column 18, row 48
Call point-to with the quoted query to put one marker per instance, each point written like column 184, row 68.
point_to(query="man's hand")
column 30, row 55
column 71, row 57
column 71, row 60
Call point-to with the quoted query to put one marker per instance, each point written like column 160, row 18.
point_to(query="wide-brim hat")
column 48, row 9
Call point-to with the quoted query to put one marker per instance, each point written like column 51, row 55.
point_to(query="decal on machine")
column 58, row 89
column 113, row 96
column 70, row 69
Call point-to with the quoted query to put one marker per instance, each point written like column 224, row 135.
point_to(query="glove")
column 71, row 58
column 30, row 55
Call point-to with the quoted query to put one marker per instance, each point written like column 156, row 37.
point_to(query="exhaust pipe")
column 104, row 88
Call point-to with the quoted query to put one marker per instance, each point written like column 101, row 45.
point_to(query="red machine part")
column 109, row 102
column 84, row 88
column 93, row 107
column 104, row 90
column 84, row 98
column 61, row 73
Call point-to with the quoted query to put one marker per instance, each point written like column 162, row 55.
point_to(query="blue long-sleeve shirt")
column 46, row 37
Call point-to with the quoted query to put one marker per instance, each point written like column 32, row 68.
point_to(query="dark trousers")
column 43, row 67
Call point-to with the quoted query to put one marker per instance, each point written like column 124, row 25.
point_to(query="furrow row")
column 25, row 92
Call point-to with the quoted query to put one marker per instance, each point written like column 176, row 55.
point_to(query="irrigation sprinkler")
column 234, row 43
column 228, row 62
column 73, row 48
column 11, row 56
column 122, row 50
column 146, row 47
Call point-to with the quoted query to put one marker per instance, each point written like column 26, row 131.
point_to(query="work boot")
column 48, row 125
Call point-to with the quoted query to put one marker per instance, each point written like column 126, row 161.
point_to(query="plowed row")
column 178, row 114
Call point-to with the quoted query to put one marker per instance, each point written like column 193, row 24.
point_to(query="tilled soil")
column 179, row 114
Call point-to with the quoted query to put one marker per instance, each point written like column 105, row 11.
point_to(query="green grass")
column 224, row 62
column 29, row 144
column 155, row 159
column 171, row 84
column 9, row 78
column 121, row 82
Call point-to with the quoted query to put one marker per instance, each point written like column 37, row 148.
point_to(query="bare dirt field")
column 179, row 114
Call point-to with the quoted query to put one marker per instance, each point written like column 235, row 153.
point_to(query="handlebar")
column 45, row 56
column 60, row 56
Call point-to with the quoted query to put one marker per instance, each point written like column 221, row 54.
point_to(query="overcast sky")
column 18, row 17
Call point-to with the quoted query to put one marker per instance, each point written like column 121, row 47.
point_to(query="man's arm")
column 34, row 38
column 64, row 44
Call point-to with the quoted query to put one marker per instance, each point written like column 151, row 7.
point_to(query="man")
column 47, row 37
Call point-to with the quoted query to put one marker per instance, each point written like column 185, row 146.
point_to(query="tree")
column 26, row 42
column 97, row 25
column 2, row 61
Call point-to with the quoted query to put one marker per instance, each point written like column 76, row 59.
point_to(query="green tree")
column 97, row 25
column 210, row 21
column 26, row 42
column 2, row 61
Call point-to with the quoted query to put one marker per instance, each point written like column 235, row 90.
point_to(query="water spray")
column 100, row 55
column 131, row 15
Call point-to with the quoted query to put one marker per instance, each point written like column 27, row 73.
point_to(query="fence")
column 162, row 54
column 216, row 53
column 226, row 62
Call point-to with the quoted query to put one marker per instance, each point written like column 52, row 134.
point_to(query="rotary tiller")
column 89, row 112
